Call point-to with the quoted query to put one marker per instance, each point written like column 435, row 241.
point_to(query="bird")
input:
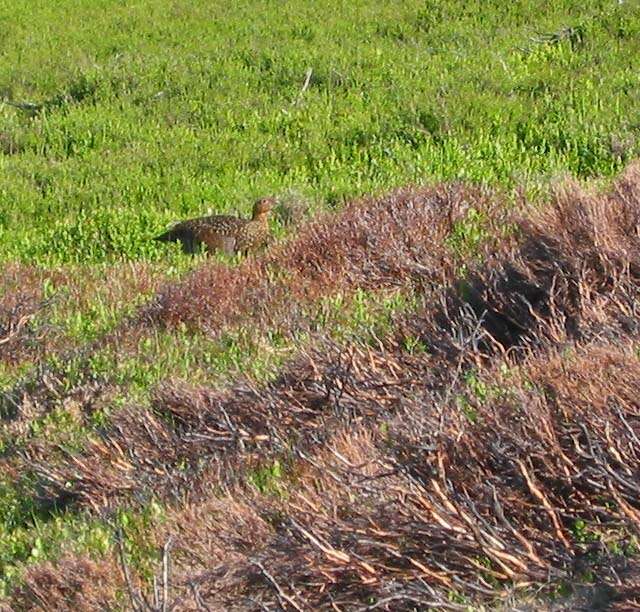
column 224, row 233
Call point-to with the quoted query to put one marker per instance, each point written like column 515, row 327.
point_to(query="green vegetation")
column 29, row 534
column 468, row 234
column 154, row 111
column 266, row 479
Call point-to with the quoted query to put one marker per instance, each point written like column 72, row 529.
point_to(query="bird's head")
column 262, row 207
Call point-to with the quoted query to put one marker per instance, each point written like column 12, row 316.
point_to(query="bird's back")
column 225, row 233
column 214, row 224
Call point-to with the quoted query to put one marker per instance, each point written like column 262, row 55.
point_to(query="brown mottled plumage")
column 223, row 232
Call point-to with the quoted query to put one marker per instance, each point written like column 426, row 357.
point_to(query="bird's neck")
column 260, row 217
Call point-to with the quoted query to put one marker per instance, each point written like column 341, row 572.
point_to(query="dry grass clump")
column 533, row 490
column 73, row 584
column 218, row 537
column 160, row 452
column 573, row 275
column 20, row 300
column 293, row 208
column 518, row 469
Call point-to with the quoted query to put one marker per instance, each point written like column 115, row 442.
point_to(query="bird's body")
column 223, row 233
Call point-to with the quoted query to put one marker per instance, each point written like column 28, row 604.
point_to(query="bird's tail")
column 170, row 236
column 188, row 242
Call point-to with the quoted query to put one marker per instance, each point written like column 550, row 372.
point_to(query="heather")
column 478, row 447
column 421, row 395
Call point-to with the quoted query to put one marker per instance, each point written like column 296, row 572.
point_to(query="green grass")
column 158, row 110
column 29, row 535
column 267, row 479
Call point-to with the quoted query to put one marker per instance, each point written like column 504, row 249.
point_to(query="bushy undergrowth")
column 482, row 451
column 423, row 399
column 72, row 583
column 373, row 244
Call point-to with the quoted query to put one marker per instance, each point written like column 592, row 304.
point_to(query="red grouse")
column 223, row 232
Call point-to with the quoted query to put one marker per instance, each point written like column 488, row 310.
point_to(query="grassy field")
column 153, row 111
column 422, row 394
